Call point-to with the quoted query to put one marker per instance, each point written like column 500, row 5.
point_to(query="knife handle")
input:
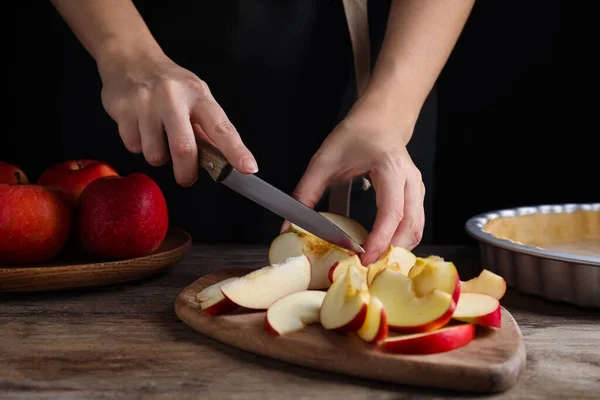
column 212, row 160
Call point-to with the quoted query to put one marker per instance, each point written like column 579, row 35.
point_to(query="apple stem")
column 18, row 177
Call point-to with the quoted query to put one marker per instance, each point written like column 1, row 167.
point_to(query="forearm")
column 108, row 29
column 419, row 39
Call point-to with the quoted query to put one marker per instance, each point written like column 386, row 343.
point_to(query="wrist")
column 115, row 54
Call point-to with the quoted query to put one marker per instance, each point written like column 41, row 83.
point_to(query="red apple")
column 10, row 173
column 438, row 341
column 122, row 216
column 35, row 223
column 72, row 177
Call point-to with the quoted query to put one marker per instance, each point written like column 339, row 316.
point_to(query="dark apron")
column 284, row 74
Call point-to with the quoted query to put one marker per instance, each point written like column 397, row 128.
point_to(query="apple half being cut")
column 344, row 308
column 439, row 341
column 395, row 258
column 355, row 230
column 478, row 309
column 406, row 310
column 261, row 288
column 213, row 301
column 294, row 311
column 435, row 273
column 486, row 283
column 322, row 254
column 375, row 327
column 341, row 266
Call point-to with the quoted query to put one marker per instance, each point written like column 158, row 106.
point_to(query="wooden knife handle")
column 212, row 160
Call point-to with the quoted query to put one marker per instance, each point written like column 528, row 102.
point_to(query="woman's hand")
column 151, row 95
column 365, row 144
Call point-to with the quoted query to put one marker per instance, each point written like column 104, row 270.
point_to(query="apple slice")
column 294, row 311
column 212, row 300
column 396, row 258
column 421, row 262
column 261, row 288
column 345, row 305
column 375, row 327
column 479, row 309
column 355, row 230
column 322, row 255
column 340, row 266
column 486, row 283
column 435, row 273
column 406, row 310
column 439, row 341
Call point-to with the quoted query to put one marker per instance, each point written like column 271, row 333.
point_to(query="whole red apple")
column 72, row 177
column 35, row 223
column 122, row 216
column 10, row 173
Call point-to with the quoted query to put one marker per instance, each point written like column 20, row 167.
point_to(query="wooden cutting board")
column 492, row 362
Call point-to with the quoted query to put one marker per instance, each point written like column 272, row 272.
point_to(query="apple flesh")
column 122, row 217
column 439, row 341
column 35, row 223
column 479, row 309
column 10, row 173
column 436, row 274
column 212, row 300
column 352, row 228
column 486, row 283
column 395, row 258
column 322, row 255
column 73, row 176
column 375, row 327
column 341, row 266
column 293, row 312
column 406, row 310
column 345, row 305
column 261, row 288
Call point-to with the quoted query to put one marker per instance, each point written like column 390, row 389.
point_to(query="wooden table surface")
column 125, row 342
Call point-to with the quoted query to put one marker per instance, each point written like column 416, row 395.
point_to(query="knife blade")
column 271, row 198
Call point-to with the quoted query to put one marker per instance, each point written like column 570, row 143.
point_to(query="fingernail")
column 371, row 257
column 250, row 165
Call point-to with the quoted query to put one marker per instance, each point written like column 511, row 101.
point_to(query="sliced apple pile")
column 294, row 311
column 486, row 283
column 261, row 288
column 322, row 254
column 213, row 301
column 310, row 281
column 438, row 341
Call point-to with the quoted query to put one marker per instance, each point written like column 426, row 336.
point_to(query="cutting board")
column 492, row 362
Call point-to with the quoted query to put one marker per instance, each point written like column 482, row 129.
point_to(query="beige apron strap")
column 358, row 27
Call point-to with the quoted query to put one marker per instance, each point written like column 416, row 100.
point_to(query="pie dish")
column 552, row 251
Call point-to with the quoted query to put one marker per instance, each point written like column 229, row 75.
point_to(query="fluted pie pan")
column 551, row 251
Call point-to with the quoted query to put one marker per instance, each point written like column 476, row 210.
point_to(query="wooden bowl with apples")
column 82, row 225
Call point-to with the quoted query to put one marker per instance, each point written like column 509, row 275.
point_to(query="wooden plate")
column 76, row 270
column 492, row 362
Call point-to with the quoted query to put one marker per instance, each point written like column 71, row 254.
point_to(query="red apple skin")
column 355, row 323
column 383, row 328
column 491, row 320
column 73, row 176
column 430, row 326
column 122, row 217
column 433, row 342
column 35, row 223
column 9, row 172
column 331, row 270
column 222, row 307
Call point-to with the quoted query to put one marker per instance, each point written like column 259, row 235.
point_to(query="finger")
column 130, row 133
column 182, row 144
column 389, row 189
column 410, row 230
column 199, row 132
column 153, row 139
column 223, row 134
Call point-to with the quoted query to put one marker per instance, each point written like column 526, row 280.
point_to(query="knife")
column 271, row 198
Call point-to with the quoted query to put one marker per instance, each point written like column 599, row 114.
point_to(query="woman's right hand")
column 149, row 96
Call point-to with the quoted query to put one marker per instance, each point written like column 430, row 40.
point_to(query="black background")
column 512, row 129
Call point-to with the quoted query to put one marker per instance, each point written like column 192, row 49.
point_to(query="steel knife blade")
column 271, row 198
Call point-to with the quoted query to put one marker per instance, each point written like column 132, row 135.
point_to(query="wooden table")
column 125, row 342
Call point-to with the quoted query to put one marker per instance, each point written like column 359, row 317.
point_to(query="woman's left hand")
column 364, row 143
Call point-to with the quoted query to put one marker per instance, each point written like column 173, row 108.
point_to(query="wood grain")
column 124, row 341
column 492, row 362
column 81, row 271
